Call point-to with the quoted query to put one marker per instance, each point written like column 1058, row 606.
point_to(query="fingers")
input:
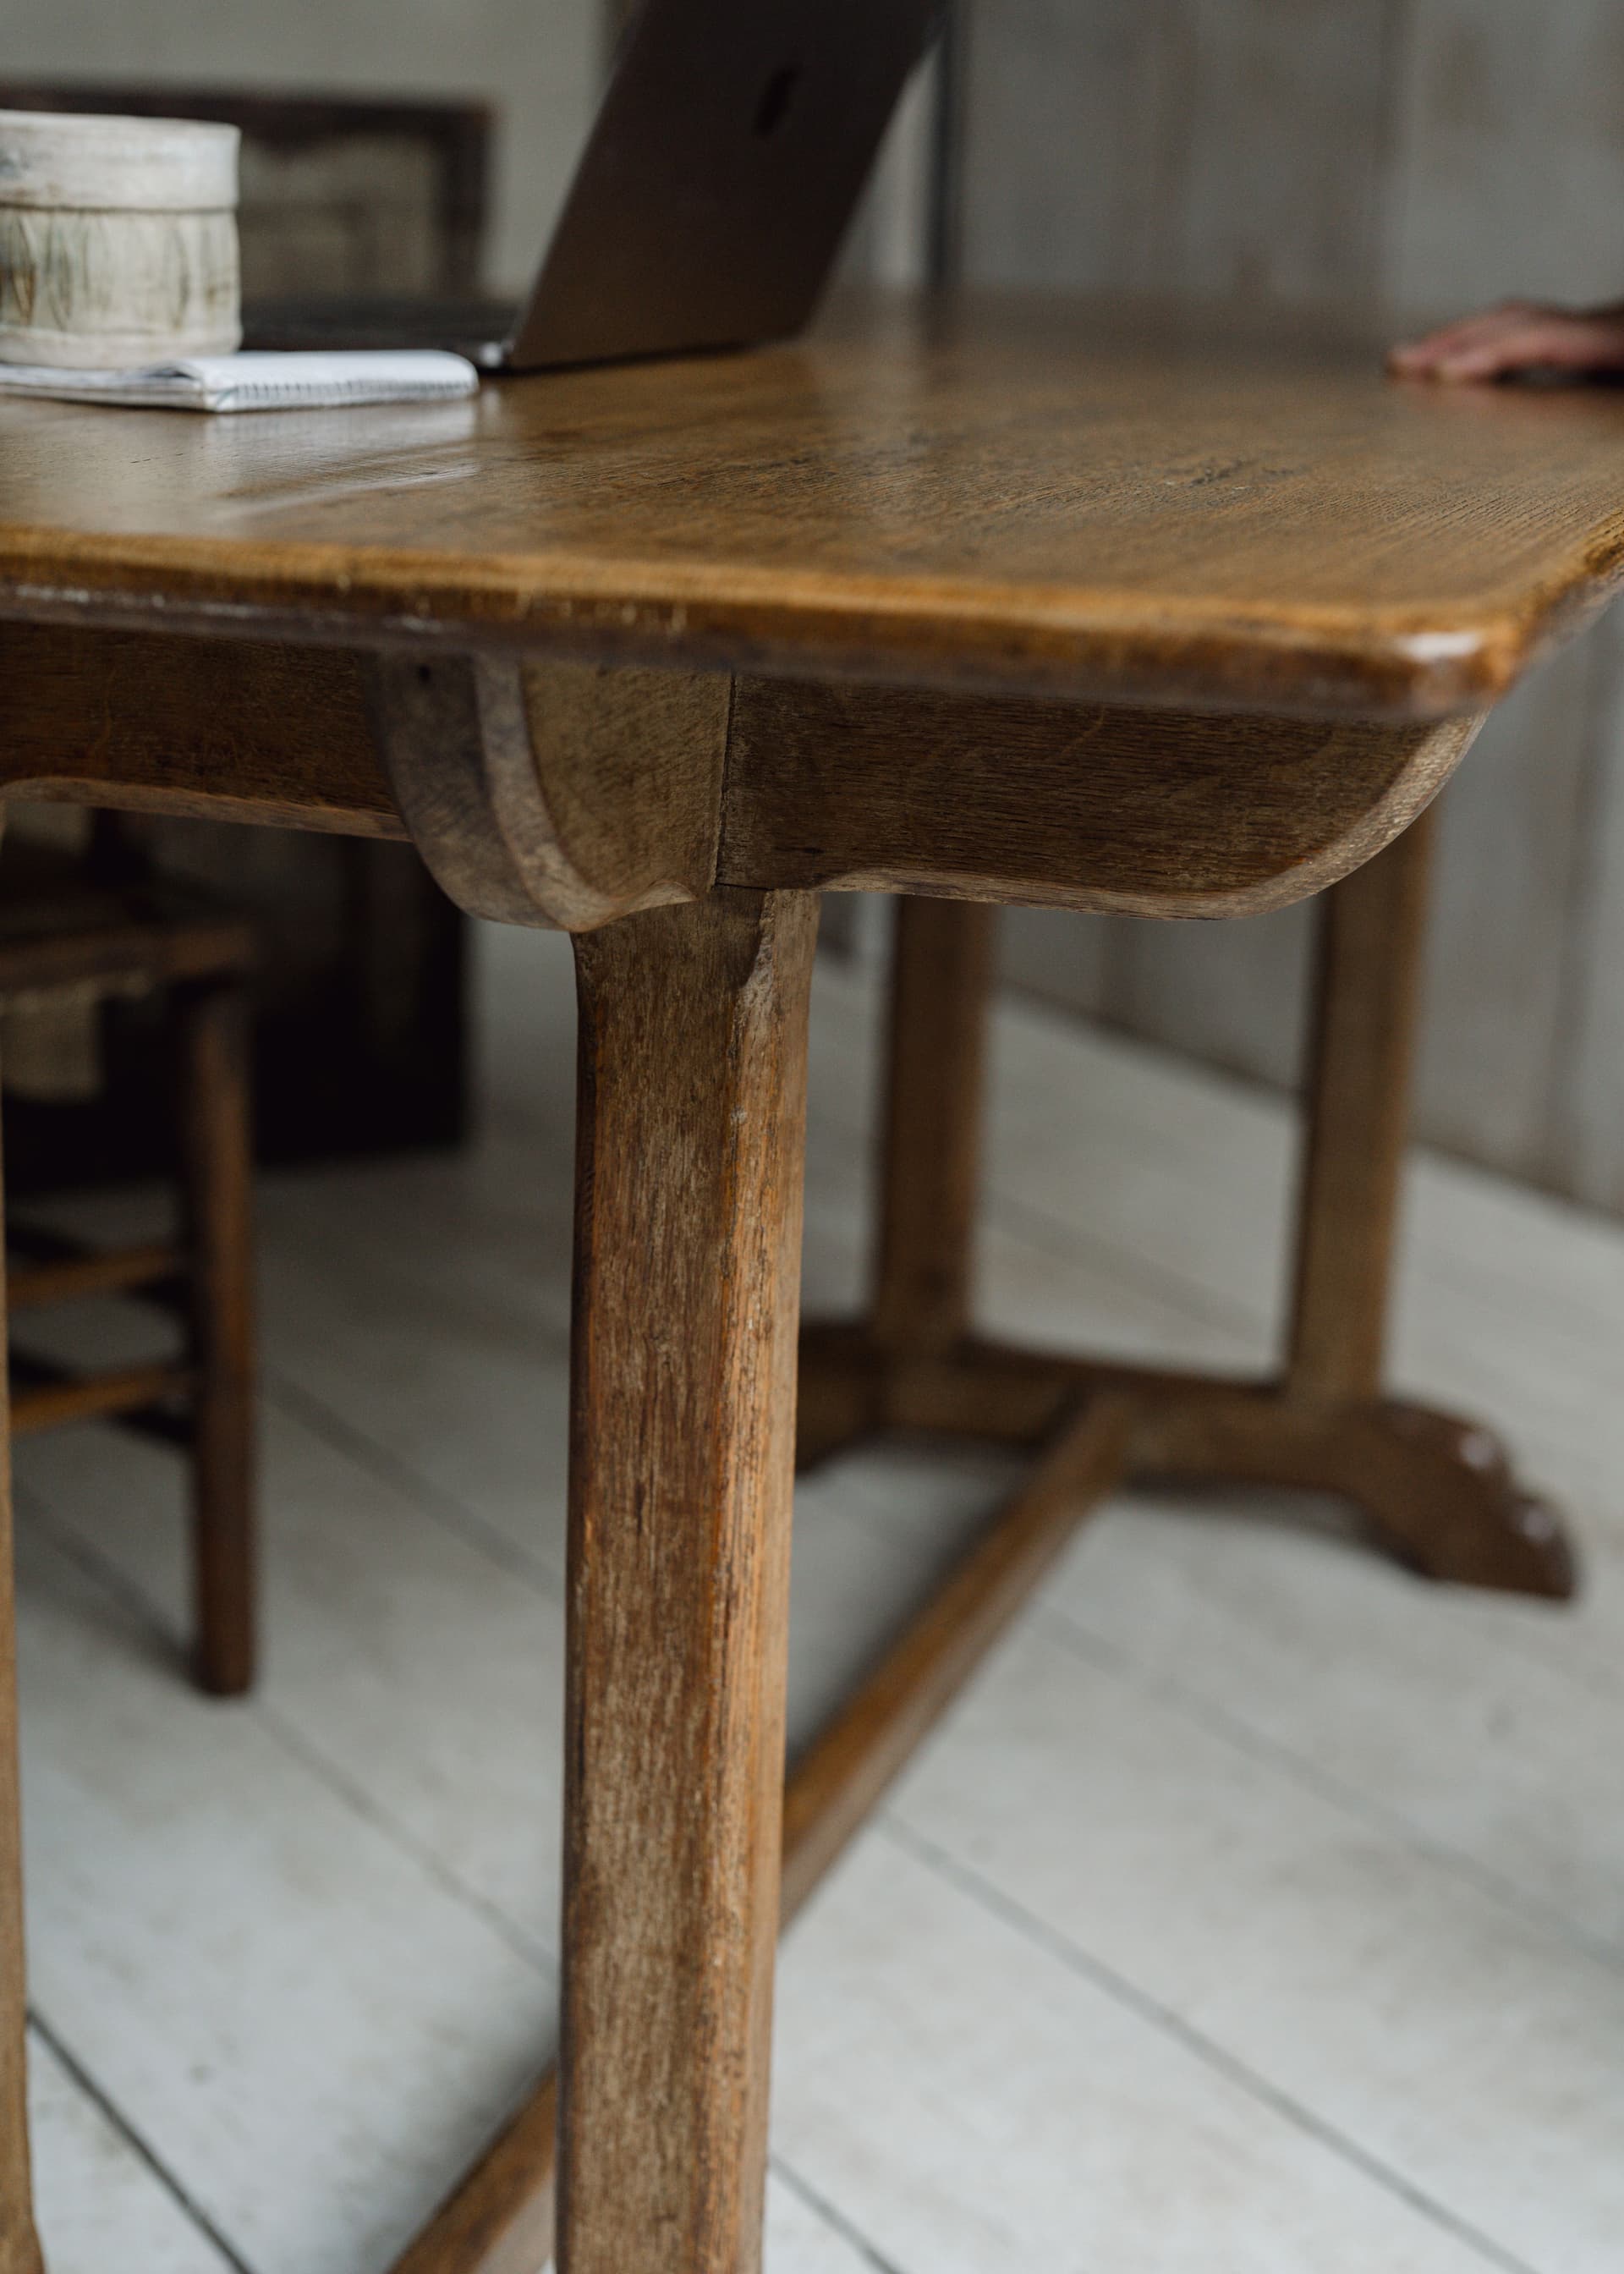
column 1553, row 345
column 1466, row 334
column 1522, row 336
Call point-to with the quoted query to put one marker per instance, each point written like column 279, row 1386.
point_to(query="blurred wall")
column 1417, row 155
column 538, row 60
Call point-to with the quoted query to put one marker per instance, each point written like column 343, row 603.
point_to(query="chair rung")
column 109, row 1272
column 47, row 1404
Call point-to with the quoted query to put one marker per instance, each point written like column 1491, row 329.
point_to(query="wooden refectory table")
column 1021, row 605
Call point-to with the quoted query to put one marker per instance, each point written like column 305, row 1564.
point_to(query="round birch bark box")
column 117, row 240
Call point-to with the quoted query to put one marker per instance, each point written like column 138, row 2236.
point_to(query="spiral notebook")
column 255, row 381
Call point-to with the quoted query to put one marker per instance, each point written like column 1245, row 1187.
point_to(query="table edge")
column 1069, row 643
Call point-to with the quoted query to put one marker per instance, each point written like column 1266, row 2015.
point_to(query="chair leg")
column 217, row 1177
column 689, row 1184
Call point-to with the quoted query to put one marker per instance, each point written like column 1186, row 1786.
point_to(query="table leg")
column 930, row 1158
column 929, row 1167
column 1441, row 1488
column 19, row 2249
column 688, row 1174
column 498, row 2219
column 1373, row 932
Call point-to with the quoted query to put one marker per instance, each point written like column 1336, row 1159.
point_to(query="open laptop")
column 720, row 178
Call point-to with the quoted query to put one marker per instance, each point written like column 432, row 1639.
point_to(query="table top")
column 1059, row 499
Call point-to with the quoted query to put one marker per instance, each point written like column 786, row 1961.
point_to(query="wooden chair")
column 357, row 1026
column 72, row 933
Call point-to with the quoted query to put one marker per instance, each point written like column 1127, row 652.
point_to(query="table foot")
column 1438, row 1491
column 498, row 2220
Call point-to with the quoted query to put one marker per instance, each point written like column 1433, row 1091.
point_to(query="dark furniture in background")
column 359, row 1023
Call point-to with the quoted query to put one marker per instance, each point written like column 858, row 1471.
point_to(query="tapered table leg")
column 929, row 1167
column 1443, row 1488
column 689, row 1176
column 19, row 2249
column 1373, row 932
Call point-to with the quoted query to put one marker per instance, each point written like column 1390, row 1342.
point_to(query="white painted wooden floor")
column 1260, row 1909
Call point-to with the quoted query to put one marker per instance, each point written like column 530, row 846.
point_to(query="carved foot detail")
column 1445, row 1493
column 1439, row 1491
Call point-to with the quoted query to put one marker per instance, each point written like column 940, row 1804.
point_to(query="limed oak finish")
column 1035, row 606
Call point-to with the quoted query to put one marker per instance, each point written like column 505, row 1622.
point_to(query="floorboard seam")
column 1059, row 1627
column 292, row 1741
column 429, row 1499
column 1035, row 1226
column 138, row 2144
column 360, row 1802
column 1129, row 1995
column 832, row 2216
column 1038, row 1228
column 102, row 1572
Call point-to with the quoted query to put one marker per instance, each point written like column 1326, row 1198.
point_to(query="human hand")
column 1519, row 336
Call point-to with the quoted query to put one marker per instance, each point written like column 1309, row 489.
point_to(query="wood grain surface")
column 1438, row 1490
column 548, row 790
column 692, row 1101
column 1143, row 812
column 233, row 730
column 1037, row 496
